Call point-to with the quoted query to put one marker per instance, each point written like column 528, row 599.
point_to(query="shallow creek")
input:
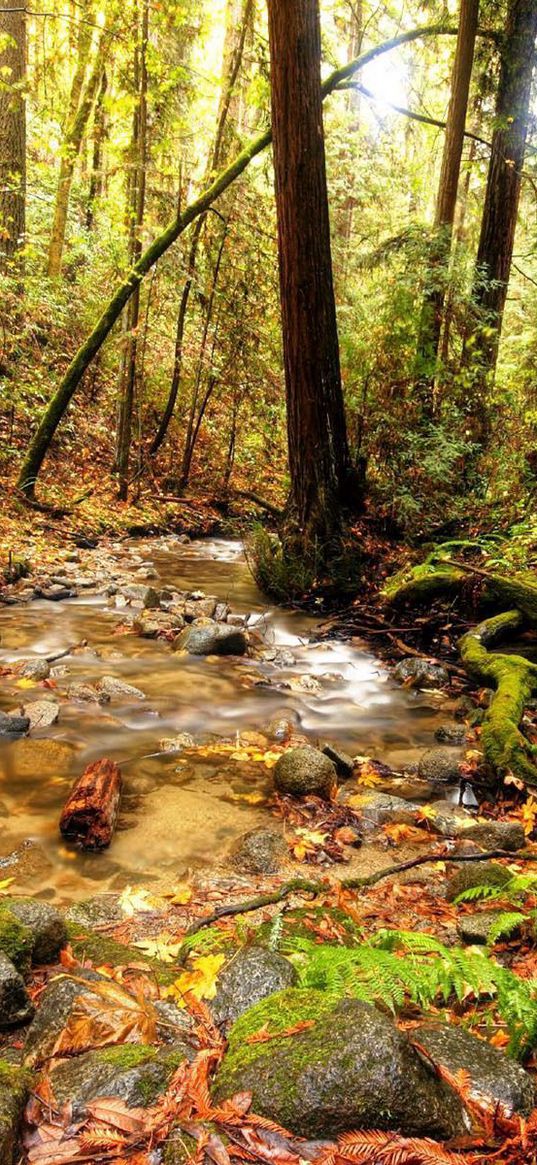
column 179, row 813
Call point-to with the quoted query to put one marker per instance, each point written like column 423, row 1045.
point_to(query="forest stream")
column 181, row 810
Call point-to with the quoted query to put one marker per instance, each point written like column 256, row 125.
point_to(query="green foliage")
column 398, row 965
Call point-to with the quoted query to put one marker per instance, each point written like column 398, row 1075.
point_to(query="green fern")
column 505, row 925
column 517, row 887
column 397, row 966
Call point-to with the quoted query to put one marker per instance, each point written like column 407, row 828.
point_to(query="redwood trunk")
column 498, row 224
column 12, row 130
column 318, row 451
column 90, row 814
column 433, row 302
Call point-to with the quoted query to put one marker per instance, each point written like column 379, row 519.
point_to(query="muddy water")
column 180, row 812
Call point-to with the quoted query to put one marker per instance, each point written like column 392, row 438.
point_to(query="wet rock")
column 235, row 620
column 507, row 835
column 101, row 909
column 351, row 1069
column 176, row 743
column 15, row 939
column 200, row 608
column 27, row 861
column 35, row 669
column 16, row 1007
column 380, row 808
column 491, row 1072
column 55, row 593
column 450, row 820
column 475, row 928
column 212, row 639
column 221, row 612
column 419, row 673
column 281, row 728
column 251, row 975
column 87, row 693
column 465, row 709
column 111, row 686
column 440, row 766
column 343, row 762
column 305, row 770
column 41, row 713
column 11, row 727
column 476, row 874
column 279, row 656
column 158, row 623
column 146, row 597
column 174, row 1023
column 453, row 734
column 134, row 1073
column 55, row 1006
column 46, row 926
column 260, row 851
column 14, row 1086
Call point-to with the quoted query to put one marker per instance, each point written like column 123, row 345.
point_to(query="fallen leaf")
column 200, row 981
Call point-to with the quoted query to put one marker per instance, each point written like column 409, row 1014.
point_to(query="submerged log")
column 90, row 813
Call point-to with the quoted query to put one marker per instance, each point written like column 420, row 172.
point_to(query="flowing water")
column 179, row 812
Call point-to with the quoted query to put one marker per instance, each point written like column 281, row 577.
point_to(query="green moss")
column 179, row 1148
column 299, row 923
column 127, row 1055
column 279, row 1013
column 421, row 583
column 16, row 940
column 100, row 950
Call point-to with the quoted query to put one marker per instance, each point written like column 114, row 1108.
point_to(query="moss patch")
column 16, row 940
column 101, row 951
column 14, row 1087
column 278, row 1013
column 299, row 923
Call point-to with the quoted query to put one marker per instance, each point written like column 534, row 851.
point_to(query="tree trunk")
column 12, row 130
column 498, row 224
column 55, row 410
column 70, row 150
column 319, row 461
column 137, row 189
column 434, row 297
column 99, row 133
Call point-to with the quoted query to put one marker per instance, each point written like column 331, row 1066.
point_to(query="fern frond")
column 391, row 1149
column 479, row 894
column 505, row 925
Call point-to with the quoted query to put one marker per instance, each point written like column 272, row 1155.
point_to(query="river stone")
column 87, row 693
column 440, row 766
column 379, row 808
column 250, row 976
column 35, row 669
column 212, row 639
column 260, row 851
column 507, row 835
column 54, row 1010
column 146, row 597
column 111, row 686
column 343, row 762
column 99, row 910
column 41, row 713
column 453, row 734
column 46, row 926
column 55, row 593
column 450, row 820
column 352, row 1070
column 475, row 928
column 14, row 1084
column 476, row 874
column 300, row 771
column 16, row 1007
column 420, row 673
column 134, row 1073
column 11, row 727
column 157, row 623
column 492, row 1073
column 206, row 608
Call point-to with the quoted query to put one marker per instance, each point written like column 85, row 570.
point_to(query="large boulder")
column 300, row 771
column 351, row 1069
column 476, row 874
column 212, row 639
column 441, row 766
column 492, row 1073
column 250, row 976
column 15, row 939
column 420, row 673
column 55, row 1006
column 16, row 1007
column 507, row 835
column 260, row 851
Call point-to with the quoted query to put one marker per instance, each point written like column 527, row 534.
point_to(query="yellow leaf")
column 5, row 884
column 25, row 683
column 200, row 981
column 313, row 836
column 181, row 895
column 165, row 948
column 134, row 900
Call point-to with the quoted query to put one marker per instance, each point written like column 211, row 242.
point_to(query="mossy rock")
column 45, row 924
column 14, row 1087
column 16, row 940
column 136, row 1073
column 476, row 874
column 179, row 1148
column 102, row 951
column 308, row 922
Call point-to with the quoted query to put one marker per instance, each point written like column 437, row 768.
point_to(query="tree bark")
column 99, row 133
column 319, row 461
column 12, row 130
column 137, row 190
column 434, row 297
column 500, row 210
column 90, row 813
column 70, row 151
column 62, row 397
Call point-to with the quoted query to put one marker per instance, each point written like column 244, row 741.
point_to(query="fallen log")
column 90, row 813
